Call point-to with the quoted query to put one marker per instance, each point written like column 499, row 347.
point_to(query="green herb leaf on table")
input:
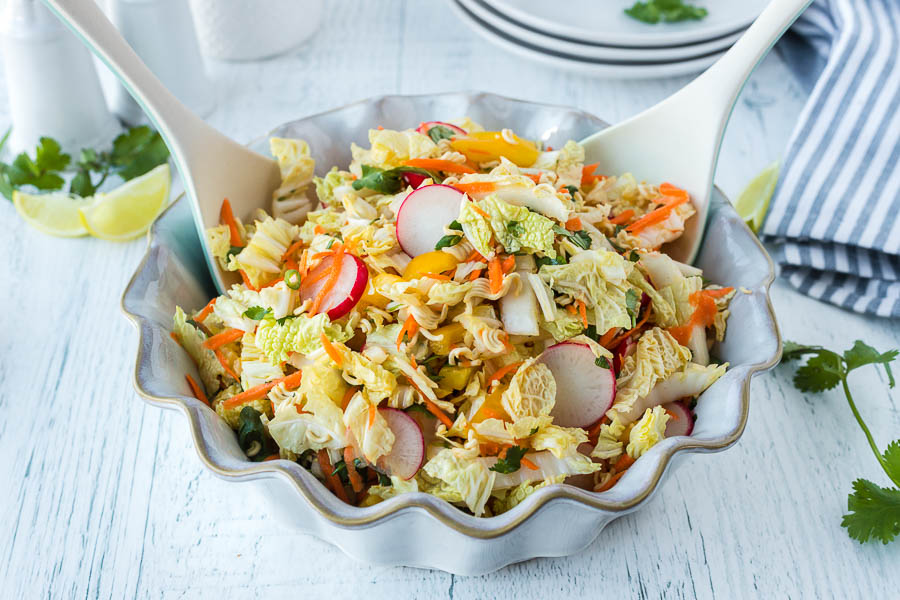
column 512, row 462
column 874, row 510
column 668, row 11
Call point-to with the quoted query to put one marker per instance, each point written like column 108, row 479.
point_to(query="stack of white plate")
column 596, row 37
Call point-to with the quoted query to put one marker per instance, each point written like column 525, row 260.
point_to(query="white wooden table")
column 102, row 496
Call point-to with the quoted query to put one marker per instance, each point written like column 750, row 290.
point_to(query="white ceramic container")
column 254, row 29
column 418, row 529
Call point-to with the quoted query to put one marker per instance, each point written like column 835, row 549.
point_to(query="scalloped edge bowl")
column 417, row 529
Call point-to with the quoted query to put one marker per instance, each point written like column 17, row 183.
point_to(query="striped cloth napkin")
column 834, row 221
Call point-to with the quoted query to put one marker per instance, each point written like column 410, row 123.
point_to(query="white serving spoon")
column 678, row 139
column 212, row 166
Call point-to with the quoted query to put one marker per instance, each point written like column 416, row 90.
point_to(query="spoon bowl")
column 678, row 140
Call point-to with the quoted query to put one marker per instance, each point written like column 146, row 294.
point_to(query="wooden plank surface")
column 104, row 496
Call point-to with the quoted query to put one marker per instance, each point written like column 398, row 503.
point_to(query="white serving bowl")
column 418, row 529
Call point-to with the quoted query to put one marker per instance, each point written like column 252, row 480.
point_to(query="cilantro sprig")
column 668, row 11
column 874, row 511
column 511, row 462
column 133, row 153
column 388, row 181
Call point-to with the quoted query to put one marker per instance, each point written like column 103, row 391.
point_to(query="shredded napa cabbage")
column 457, row 475
column 515, row 227
column 647, row 432
column 297, row 334
column 212, row 374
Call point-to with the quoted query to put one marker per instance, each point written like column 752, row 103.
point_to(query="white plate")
column 608, row 69
column 605, row 22
column 503, row 24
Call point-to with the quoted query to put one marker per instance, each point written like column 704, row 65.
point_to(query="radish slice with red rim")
column 408, row 452
column 424, row 128
column 424, row 214
column 584, row 391
column 681, row 419
column 347, row 290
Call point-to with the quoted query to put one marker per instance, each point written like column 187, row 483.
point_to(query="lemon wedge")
column 55, row 213
column 753, row 203
column 127, row 211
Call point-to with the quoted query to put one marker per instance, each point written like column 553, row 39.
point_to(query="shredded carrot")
column 573, row 224
column 318, row 230
column 535, row 177
column 409, row 329
column 174, row 337
column 704, row 315
column 303, row 267
column 206, row 310
column 582, row 310
column 372, row 412
column 528, row 464
column 334, row 272
column 501, row 373
column 667, row 189
column 637, row 326
column 495, row 272
column 437, row 412
column 321, row 255
column 292, row 381
column 437, row 276
column 475, row 255
column 474, row 274
column 480, row 211
column 509, row 263
column 271, row 283
column 655, row 216
column 316, row 276
column 489, row 449
column 331, row 479
column 220, row 339
column 291, row 249
column 224, row 362
column 624, row 462
column 719, row 293
column 348, row 395
column 610, row 482
column 271, row 457
column 502, row 453
column 330, row 349
column 587, row 174
column 289, row 264
column 609, row 336
column 436, row 164
column 570, row 308
column 672, row 415
column 594, row 431
column 247, row 281
column 476, row 187
column 356, row 481
column 197, row 390
column 622, row 217
column 228, row 217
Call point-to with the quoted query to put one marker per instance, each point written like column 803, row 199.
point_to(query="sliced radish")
column 584, row 391
column 424, row 214
column 408, row 452
column 424, row 128
column 347, row 290
column 681, row 420
column 623, row 351
column 414, row 179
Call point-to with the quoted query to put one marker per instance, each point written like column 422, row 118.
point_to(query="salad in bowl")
column 460, row 312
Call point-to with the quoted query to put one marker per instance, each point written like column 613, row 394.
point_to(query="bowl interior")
column 174, row 273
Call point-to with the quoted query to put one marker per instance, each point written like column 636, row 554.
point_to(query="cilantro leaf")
column 668, row 11
column 454, row 225
column 256, row 312
column 579, row 238
column 601, row 362
column 891, row 458
column 571, row 189
column 874, row 512
column 386, row 181
column 515, row 228
column 510, row 463
column 41, row 172
column 634, row 256
column 540, row 261
column 448, row 240
column 821, row 372
column 793, row 350
column 137, row 151
column 632, row 305
column 252, row 434
column 862, row 354
column 533, row 431
column 439, row 132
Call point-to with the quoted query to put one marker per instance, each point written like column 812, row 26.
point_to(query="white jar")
column 253, row 29
column 162, row 34
column 51, row 80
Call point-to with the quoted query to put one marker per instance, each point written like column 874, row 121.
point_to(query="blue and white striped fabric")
column 834, row 222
